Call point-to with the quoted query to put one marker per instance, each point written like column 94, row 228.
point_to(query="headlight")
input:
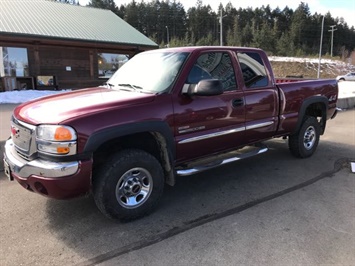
column 56, row 139
column 55, row 133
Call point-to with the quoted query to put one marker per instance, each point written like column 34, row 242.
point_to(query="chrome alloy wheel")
column 309, row 138
column 134, row 188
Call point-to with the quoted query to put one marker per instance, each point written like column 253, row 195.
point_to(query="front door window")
column 214, row 66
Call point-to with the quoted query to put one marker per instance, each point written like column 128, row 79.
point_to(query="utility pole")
column 331, row 46
column 167, row 36
column 320, row 48
column 221, row 27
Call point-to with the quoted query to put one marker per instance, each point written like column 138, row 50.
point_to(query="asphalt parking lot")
column 272, row 209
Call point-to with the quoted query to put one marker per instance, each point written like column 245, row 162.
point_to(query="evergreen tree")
column 300, row 31
column 131, row 15
column 247, row 35
column 104, row 4
column 71, row 2
column 281, row 32
column 263, row 38
column 201, row 21
column 283, row 45
column 234, row 34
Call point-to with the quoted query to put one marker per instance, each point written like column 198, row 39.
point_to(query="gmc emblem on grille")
column 15, row 132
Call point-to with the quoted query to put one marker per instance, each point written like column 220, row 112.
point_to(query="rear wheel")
column 304, row 143
column 129, row 185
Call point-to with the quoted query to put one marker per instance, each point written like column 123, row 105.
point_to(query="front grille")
column 22, row 135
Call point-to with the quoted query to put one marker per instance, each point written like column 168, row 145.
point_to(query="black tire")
column 129, row 185
column 304, row 143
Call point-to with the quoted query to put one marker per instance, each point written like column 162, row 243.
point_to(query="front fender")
column 100, row 137
column 159, row 129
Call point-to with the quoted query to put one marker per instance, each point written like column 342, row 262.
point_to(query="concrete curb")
column 346, row 103
column 2, row 144
column 346, row 97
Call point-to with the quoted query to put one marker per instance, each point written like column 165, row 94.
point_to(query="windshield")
column 152, row 72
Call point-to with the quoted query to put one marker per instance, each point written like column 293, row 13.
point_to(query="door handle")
column 238, row 102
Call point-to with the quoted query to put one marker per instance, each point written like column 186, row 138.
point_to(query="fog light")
column 40, row 188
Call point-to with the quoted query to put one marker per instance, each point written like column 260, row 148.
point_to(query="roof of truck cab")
column 206, row 48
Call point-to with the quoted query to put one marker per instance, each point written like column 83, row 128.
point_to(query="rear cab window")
column 253, row 70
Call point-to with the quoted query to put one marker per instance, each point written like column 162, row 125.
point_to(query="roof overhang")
column 15, row 39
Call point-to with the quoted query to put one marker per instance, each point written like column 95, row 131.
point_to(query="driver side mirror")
column 206, row 87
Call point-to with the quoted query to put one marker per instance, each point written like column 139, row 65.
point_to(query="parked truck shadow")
column 83, row 228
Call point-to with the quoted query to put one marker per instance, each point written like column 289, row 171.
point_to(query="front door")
column 210, row 124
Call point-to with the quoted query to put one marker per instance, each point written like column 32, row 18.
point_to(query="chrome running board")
column 221, row 159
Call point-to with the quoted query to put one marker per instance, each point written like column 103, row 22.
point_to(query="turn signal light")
column 62, row 134
column 63, row 150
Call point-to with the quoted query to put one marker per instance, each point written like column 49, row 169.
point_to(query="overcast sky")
column 338, row 8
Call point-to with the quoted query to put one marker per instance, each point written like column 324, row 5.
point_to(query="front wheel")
column 304, row 143
column 129, row 185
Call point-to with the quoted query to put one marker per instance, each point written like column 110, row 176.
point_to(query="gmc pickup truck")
column 165, row 113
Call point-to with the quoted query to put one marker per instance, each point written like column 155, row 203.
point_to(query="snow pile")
column 306, row 60
column 346, row 89
column 15, row 97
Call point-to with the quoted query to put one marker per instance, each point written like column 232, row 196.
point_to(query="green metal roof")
column 50, row 19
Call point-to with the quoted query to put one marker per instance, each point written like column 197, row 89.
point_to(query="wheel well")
column 144, row 141
column 152, row 142
column 318, row 110
column 315, row 109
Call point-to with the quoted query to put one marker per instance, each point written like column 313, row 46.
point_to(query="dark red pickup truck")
column 165, row 113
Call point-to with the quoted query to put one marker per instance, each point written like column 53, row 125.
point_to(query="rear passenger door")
column 261, row 97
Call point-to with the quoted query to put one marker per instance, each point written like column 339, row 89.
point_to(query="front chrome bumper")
column 37, row 167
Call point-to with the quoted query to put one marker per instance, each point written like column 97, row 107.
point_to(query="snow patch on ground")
column 305, row 60
column 14, row 97
column 346, row 90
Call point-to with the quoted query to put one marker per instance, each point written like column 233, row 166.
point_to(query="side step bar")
column 218, row 160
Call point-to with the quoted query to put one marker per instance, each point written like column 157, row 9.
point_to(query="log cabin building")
column 51, row 45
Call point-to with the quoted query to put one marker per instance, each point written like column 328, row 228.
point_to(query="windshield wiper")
column 134, row 87
column 110, row 85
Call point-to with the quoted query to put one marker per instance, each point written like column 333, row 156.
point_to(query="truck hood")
column 57, row 108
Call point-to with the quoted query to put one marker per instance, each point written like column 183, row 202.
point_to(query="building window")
column 13, row 62
column 109, row 63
